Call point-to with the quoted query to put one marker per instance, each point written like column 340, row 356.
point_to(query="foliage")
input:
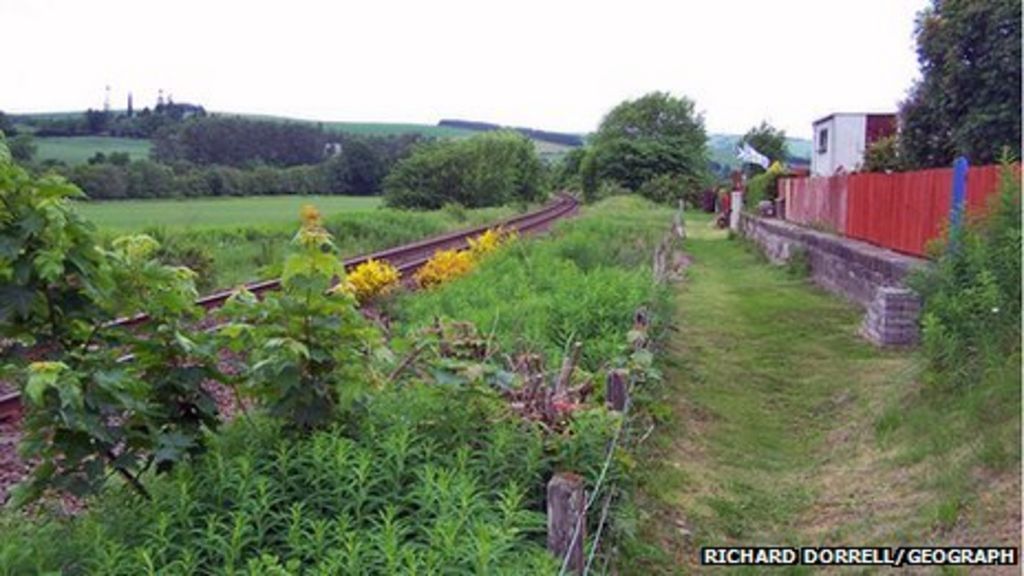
column 303, row 343
column 767, row 140
column 668, row 189
column 968, row 101
column 371, row 279
column 606, row 189
column 23, row 148
column 972, row 315
column 641, row 139
column 489, row 169
column 884, row 155
column 489, row 241
column 87, row 412
column 567, row 172
column 764, row 186
column 582, row 284
column 443, row 266
column 423, row 479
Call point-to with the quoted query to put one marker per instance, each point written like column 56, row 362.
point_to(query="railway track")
column 406, row 258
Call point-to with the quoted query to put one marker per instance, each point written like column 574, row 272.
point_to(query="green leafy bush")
column 764, row 186
column 86, row 413
column 304, row 343
column 884, row 155
column 668, row 189
column 490, row 169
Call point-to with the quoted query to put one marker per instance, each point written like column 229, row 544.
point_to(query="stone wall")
column 872, row 277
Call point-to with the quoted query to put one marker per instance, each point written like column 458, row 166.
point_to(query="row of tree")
column 115, row 177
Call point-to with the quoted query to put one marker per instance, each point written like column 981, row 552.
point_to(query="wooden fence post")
column 616, row 392
column 567, row 525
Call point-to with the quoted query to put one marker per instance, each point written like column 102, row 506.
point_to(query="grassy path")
column 773, row 400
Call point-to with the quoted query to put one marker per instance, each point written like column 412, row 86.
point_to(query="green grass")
column 582, row 282
column 784, row 426
column 231, row 241
column 764, row 368
column 78, row 149
column 202, row 213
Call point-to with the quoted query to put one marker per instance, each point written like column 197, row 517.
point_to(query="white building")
column 840, row 140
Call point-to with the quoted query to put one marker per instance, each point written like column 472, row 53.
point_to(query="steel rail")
column 406, row 258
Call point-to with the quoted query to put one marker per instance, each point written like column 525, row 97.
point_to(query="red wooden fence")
column 816, row 202
column 902, row 211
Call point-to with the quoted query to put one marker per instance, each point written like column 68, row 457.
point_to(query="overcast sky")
column 549, row 64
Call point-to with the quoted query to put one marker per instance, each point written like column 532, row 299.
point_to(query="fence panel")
column 817, row 202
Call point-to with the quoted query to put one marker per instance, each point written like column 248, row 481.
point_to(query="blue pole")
column 956, row 211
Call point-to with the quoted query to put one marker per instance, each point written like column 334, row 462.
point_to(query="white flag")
column 747, row 154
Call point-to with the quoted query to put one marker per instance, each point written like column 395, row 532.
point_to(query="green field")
column 78, row 149
column 125, row 215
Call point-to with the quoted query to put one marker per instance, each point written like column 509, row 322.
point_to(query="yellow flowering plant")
column 371, row 279
column 490, row 241
column 443, row 266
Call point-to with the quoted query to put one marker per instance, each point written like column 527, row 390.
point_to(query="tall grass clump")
column 583, row 283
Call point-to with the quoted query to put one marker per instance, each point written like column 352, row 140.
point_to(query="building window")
column 823, row 141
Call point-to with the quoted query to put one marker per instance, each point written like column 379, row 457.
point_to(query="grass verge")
column 784, row 427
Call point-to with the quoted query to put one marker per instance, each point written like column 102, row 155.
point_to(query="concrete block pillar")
column 735, row 207
column 892, row 317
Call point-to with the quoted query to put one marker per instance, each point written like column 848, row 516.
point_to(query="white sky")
column 550, row 64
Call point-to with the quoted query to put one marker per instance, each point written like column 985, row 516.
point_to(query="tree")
column 6, row 126
column 642, row 139
column 968, row 100
column 489, row 169
column 767, row 140
column 883, row 155
column 23, row 148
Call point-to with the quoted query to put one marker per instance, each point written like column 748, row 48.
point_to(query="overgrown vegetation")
column 89, row 414
column 972, row 315
column 577, row 286
column 348, row 457
column 422, row 479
